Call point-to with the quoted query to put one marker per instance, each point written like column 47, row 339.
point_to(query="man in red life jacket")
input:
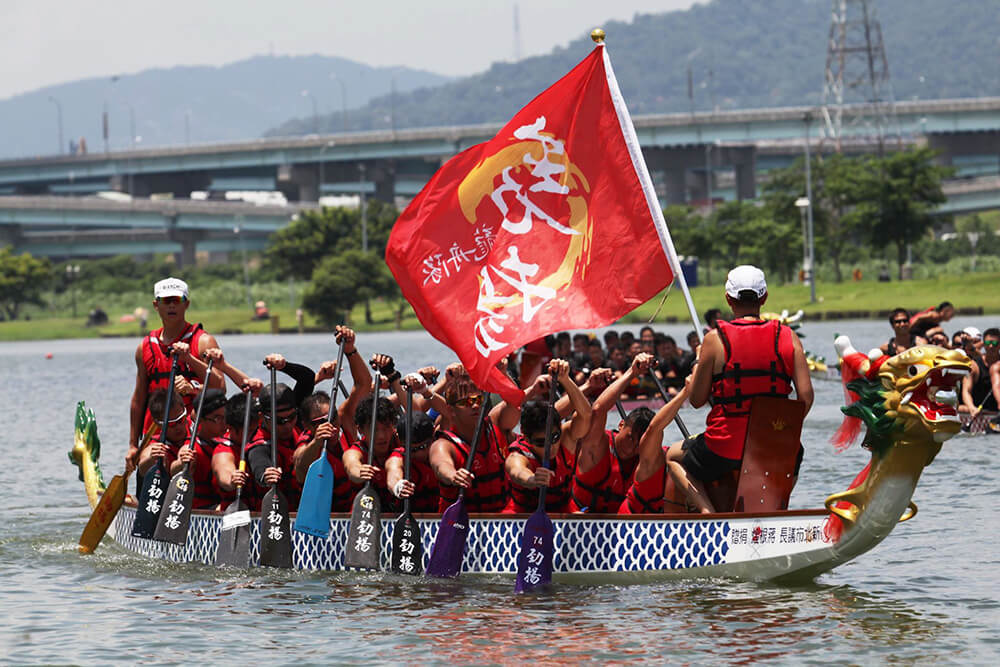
column 288, row 437
column 524, row 462
column 210, row 440
column 341, row 432
column 359, row 469
column 152, row 356
column 611, row 475
column 422, row 486
column 742, row 358
column 486, row 485
column 178, row 426
column 226, row 458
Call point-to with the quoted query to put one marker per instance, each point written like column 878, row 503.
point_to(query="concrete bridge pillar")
column 188, row 238
column 744, row 162
column 383, row 175
column 10, row 235
column 299, row 182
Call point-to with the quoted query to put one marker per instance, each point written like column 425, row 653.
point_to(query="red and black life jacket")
column 206, row 492
column 156, row 358
column 425, row 498
column 760, row 360
column 525, row 500
column 290, row 487
column 607, row 495
column 489, row 489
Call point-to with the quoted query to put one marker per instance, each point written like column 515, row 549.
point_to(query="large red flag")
column 546, row 227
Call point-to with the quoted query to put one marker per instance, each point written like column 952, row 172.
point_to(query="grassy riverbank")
column 854, row 299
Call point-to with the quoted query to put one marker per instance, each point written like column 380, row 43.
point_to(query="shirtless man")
column 153, row 357
column 925, row 319
column 740, row 359
column 902, row 339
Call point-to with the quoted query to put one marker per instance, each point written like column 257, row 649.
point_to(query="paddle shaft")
column 547, row 452
column 174, row 367
column 475, row 440
column 246, row 433
column 677, row 418
column 197, row 413
column 337, row 386
column 274, row 423
column 371, row 432
column 409, row 440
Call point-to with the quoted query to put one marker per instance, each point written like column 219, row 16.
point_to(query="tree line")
column 862, row 206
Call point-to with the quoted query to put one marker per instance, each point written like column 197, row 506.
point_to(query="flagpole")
column 652, row 201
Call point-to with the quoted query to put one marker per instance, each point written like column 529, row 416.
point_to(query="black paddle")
column 534, row 564
column 154, row 482
column 234, row 537
column 364, row 537
column 666, row 397
column 275, row 527
column 453, row 531
column 174, row 524
column 407, row 546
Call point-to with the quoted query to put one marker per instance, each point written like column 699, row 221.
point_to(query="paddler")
column 742, row 358
column 288, row 437
column 211, row 437
column 981, row 387
column 925, row 319
column 486, row 485
column 524, row 462
column 902, row 339
column 611, row 476
column 359, row 468
column 422, row 485
column 178, row 427
column 171, row 300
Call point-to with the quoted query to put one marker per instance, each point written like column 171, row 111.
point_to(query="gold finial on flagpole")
column 597, row 35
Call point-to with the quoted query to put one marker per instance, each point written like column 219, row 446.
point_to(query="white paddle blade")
column 235, row 520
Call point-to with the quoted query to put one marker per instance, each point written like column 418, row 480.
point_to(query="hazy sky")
column 44, row 42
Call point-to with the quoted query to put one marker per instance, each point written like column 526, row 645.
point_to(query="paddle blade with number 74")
column 534, row 563
column 364, row 538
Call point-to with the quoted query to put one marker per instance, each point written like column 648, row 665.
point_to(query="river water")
column 930, row 593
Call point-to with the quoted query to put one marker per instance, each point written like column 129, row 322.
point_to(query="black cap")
column 214, row 399
column 283, row 394
column 423, row 428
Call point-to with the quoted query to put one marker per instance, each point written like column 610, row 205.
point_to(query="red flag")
column 546, row 227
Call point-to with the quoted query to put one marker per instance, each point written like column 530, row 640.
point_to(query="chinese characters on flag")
column 543, row 228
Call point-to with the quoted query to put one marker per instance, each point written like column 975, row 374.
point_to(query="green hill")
column 742, row 54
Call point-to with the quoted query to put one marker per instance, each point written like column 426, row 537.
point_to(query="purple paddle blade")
column 449, row 546
column 534, row 564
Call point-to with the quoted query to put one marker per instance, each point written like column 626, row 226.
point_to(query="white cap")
column 973, row 332
column 746, row 277
column 170, row 287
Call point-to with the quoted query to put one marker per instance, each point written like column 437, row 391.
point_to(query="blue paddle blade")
column 313, row 517
column 534, row 563
column 449, row 546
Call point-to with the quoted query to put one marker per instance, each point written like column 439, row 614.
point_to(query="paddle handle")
column 409, row 441
column 484, row 408
column 677, row 418
column 547, row 452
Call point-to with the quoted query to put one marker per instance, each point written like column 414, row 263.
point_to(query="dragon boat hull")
column 594, row 549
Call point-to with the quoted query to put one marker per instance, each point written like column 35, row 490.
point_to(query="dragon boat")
column 903, row 402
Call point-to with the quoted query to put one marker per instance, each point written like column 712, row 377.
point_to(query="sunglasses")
column 900, row 321
column 991, row 343
column 281, row 420
column 473, row 401
column 172, row 421
column 171, row 299
column 540, row 442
